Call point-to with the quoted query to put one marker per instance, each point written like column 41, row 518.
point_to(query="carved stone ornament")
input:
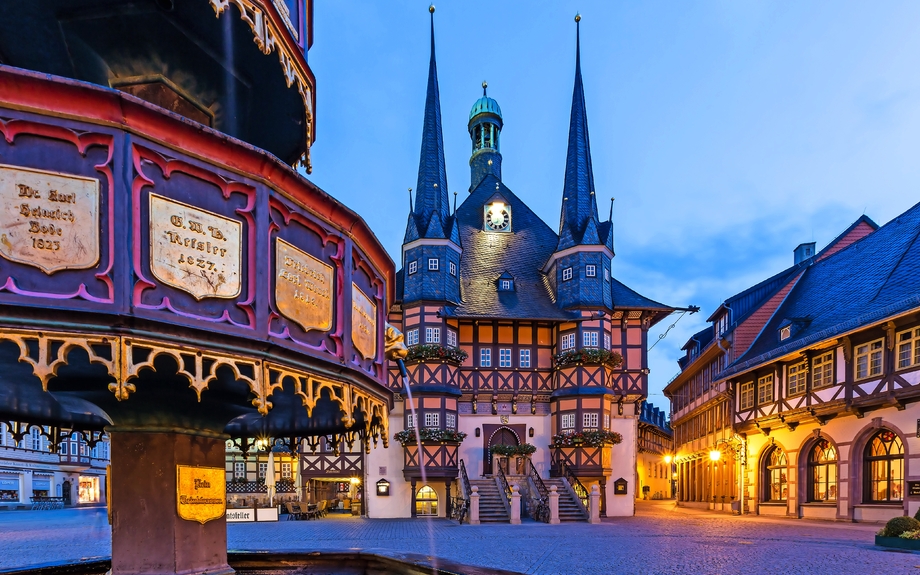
column 363, row 323
column 303, row 287
column 49, row 220
column 195, row 250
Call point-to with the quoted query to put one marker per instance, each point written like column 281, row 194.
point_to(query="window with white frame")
column 746, row 396
column 105, row 450
column 590, row 271
column 263, row 468
column 822, row 370
column 451, row 338
column 785, row 332
column 795, row 378
column 410, row 420
column 869, row 359
column 485, row 358
column 36, row 437
column 433, row 264
column 765, row 389
column 451, row 419
column 505, row 285
column 606, row 420
column 286, row 470
column 432, row 419
column 453, row 268
column 589, row 420
column 567, row 341
column 566, row 274
column 239, row 469
column 568, row 421
column 606, row 274
column 504, row 357
column 412, row 337
column 909, row 348
column 432, row 335
column 413, row 267
column 525, row 358
column 606, row 340
column 589, row 339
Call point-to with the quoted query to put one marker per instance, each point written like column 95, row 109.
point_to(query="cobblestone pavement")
column 660, row 539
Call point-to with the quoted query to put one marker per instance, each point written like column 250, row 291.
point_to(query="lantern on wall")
column 383, row 488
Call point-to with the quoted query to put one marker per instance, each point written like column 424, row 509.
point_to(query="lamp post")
column 669, row 461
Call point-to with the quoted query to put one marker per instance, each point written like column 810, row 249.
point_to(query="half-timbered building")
column 518, row 333
column 815, row 399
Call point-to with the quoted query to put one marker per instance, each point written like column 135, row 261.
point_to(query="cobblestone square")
column 660, row 539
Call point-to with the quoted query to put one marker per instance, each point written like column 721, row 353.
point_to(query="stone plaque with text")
column 195, row 250
column 303, row 287
column 49, row 220
column 201, row 493
column 363, row 323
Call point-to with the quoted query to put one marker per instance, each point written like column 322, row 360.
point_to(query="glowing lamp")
column 668, row 459
column 715, row 455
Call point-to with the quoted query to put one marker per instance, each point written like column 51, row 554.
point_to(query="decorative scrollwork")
column 47, row 352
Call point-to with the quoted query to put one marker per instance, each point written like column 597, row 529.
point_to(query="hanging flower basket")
column 588, row 356
column 586, row 439
column 512, row 450
column 412, row 436
column 435, row 352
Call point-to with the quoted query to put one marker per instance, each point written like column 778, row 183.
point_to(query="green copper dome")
column 485, row 105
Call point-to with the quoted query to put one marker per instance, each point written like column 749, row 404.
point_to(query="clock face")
column 498, row 218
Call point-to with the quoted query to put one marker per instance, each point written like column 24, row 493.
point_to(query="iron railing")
column 580, row 492
column 540, row 511
column 504, row 482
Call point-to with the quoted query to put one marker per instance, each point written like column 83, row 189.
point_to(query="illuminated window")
column 590, row 271
column 822, row 472
column 432, row 335
column 239, row 470
column 568, row 421
column 909, row 348
column 263, row 469
column 822, row 370
column 413, row 267
column 426, row 502
column 566, row 274
column 765, row 389
column 286, row 470
column 412, row 337
column 525, row 358
column 796, row 378
column 568, row 341
column 433, row 264
column 746, row 396
column 775, row 483
column 869, row 359
column 485, row 358
column 884, row 468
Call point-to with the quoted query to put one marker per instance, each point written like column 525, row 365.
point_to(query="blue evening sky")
column 728, row 132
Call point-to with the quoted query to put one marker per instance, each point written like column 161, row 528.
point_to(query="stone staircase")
column 570, row 508
column 491, row 501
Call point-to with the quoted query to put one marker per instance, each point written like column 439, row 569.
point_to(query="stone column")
column 148, row 536
column 474, row 506
column 450, row 502
column 515, row 505
column 413, row 512
column 553, row 505
column 594, row 505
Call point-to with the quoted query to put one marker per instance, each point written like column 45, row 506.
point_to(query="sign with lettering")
column 195, row 250
column 363, row 323
column 913, row 488
column 303, row 287
column 49, row 220
column 240, row 515
column 201, row 493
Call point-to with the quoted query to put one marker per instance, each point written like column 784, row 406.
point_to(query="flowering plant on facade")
column 412, row 436
column 511, row 450
column 598, row 438
column 433, row 351
column 588, row 355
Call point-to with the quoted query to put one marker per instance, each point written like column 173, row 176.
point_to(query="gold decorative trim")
column 268, row 37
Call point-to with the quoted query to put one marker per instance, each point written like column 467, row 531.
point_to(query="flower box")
column 898, row 543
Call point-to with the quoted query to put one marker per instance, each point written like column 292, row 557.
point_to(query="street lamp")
column 715, row 455
column 668, row 459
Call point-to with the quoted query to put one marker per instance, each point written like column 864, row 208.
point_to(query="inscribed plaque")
column 201, row 493
column 48, row 220
column 363, row 323
column 303, row 287
column 195, row 250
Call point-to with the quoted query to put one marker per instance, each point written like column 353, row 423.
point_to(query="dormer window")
column 505, row 282
column 505, row 285
column 785, row 333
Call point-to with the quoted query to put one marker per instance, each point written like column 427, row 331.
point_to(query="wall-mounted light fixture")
column 383, row 488
column 530, row 432
column 477, row 432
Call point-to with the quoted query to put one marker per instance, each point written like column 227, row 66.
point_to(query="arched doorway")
column 426, row 502
column 502, row 435
column 65, row 488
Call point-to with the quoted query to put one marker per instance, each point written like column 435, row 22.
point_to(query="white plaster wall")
column 623, row 463
column 472, row 451
column 397, row 504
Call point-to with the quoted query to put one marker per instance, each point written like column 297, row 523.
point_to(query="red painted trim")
column 62, row 97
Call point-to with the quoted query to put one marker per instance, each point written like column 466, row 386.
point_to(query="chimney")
column 803, row 252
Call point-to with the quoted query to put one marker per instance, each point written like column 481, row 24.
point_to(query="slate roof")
column 863, row 283
column 486, row 256
column 700, row 340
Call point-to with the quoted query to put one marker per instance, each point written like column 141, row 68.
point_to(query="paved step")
column 491, row 503
column 570, row 508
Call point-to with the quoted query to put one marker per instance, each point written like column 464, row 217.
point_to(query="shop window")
column 822, row 472
column 426, row 502
column 774, row 476
column 89, row 489
column 884, row 468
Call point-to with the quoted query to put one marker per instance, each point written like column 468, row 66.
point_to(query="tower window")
column 568, row 341
column 432, row 335
column 590, row 271
column 413, row 267
column 453, row 268
column 451, row 338
column 433, row 264
column 606, row 275
column 566, row 274
column 589, row 339
column 412, row 337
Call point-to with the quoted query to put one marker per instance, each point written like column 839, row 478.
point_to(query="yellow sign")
column 363, row 323
column 303, row 287
column 201, row 493
column 48, row 220
column 195, row 250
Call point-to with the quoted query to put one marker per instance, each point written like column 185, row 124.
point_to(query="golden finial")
column 490, row 162
column 577, row 16
column 431, row 8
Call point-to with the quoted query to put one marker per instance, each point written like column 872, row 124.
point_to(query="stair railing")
column 540, row 512
column 504, row 483
column 577, row 486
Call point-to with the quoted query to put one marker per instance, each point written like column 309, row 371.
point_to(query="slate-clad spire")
column 580, row 204
column 431, row 190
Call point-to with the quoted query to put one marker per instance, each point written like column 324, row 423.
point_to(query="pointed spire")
column 431, row 195
column 581, row 204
